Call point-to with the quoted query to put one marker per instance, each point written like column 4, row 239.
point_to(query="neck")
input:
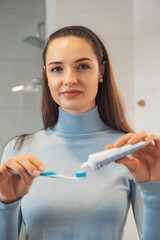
column 87, row 122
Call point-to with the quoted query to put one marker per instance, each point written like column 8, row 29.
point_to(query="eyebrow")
column 79, row 60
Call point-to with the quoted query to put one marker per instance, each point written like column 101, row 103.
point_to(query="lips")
column 71, row 93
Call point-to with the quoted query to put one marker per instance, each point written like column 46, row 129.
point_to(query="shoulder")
column 22, row 142
column 9, row 149
column 112, row 132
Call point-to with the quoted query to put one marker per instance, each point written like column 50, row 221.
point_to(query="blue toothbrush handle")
column 47, row 173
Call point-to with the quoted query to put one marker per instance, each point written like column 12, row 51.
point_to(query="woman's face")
column 73, row 73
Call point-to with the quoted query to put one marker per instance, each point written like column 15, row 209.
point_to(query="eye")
column 83, row 67
column 56, row 69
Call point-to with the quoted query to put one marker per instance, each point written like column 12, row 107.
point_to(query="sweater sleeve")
column 10, row 214
column 146, row 208
column 10, row 220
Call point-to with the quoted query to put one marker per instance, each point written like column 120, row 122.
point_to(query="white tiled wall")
column 19, row 61
column 19, row 112
column 147, row 64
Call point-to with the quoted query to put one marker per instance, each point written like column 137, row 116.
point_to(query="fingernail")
column 41, row 167
column 35, row 172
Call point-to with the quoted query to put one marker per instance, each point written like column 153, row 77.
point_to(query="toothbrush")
column 78, row 175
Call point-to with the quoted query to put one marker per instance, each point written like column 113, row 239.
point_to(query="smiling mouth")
column 71, row 93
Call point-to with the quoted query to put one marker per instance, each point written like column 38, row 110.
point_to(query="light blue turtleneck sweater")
column 93, row 208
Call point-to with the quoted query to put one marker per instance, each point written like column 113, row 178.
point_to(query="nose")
column 70, row 78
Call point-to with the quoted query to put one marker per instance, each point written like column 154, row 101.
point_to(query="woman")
column 82, row 112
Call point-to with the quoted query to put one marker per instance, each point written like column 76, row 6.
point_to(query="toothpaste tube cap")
column 85, row 165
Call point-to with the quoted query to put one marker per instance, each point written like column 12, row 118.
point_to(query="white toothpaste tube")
column 101, row 159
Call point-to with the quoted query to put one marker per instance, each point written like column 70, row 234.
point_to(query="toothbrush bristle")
column 81, row 174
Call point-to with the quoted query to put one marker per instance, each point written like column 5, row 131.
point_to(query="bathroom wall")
column 19, row 62
column 147, row 64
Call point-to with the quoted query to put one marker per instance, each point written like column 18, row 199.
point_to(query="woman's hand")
column 143, row 164
column 12, row 186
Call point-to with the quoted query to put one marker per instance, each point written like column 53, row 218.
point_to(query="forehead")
column 70, row 46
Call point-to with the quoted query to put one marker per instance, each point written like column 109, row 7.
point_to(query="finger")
column 5, row 171
column 34, row 160
column 37, row 163
column 155, row 138
column 109, row 146
column 129, row 163
column 147, row 155
column 123, row 140
column 13, row 165
column 138, row 137
column 30, row 168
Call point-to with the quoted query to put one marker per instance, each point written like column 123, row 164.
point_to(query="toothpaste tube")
column 101, row 159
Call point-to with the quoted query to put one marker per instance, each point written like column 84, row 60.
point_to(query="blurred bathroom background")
column 130, row 30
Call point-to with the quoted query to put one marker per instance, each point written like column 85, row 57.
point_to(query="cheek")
column 53, row 84
column 91, row 78
column 94, row 86
column 53, row 87
column 92, row 83
column 54, row 90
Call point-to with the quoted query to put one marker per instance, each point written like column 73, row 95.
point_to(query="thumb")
column 128, row 162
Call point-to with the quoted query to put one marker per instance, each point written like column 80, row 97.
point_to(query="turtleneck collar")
column 87, row 122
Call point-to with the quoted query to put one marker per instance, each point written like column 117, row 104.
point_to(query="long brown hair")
column 108, row 98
